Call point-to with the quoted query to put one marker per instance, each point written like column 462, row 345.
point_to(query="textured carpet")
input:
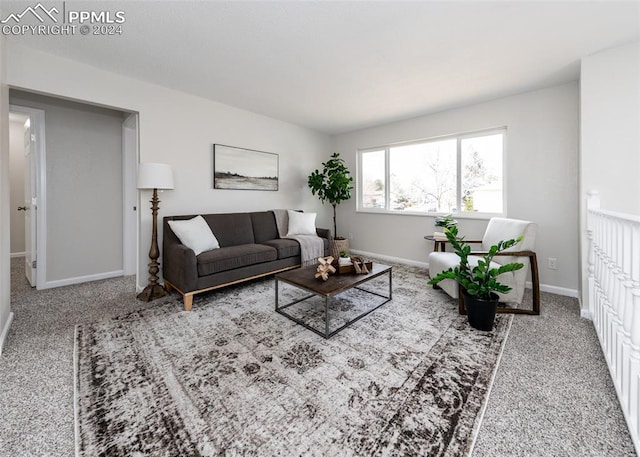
column 234, row 378
column 552, row 394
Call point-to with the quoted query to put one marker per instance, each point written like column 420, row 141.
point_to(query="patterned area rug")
column 233, row 377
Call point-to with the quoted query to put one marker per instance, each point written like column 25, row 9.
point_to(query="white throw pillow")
column 195, row 234
column 301, row 223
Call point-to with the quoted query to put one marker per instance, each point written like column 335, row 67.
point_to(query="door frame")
column 130, row 159
column 37, row 121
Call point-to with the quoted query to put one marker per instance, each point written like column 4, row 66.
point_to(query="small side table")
column 438, row 245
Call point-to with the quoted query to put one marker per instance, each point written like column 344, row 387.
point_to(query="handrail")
column 617, row 215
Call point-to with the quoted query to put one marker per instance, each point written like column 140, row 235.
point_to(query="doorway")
column 83, row 181
column 26, row 138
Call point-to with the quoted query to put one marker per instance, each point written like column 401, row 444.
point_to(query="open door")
column 30, row 206
column 34, row 194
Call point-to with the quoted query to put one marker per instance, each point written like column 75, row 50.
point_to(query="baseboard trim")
column 5, row 331
column 413, row 263
column 13, row 255
column 586, row 314
column 573, row 293
column 81, row 279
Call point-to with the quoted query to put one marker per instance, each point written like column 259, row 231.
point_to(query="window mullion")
column 387, row 178
column 459, row 174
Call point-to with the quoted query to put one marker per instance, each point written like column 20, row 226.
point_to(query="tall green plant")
column 480, row 280
column 332, row 184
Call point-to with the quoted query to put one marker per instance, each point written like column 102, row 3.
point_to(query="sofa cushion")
column 231, row 229
column 228, row 258
column 285, row 247
column 301, row 223
column 195, row 234
column 264, row 226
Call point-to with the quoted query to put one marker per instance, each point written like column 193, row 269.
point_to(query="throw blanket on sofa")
column 311, row 246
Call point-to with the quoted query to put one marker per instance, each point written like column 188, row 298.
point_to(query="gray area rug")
column 233, row 377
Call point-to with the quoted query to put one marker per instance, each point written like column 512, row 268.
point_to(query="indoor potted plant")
column 479, row 284
column 445, row 222
column 333, row 184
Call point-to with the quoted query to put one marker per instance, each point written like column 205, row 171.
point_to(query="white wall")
column 5, row 273
column 180, row 129
column 541, row 178
column 610, row 133
column 83, row 191
column 16, row 153
column 610, row 127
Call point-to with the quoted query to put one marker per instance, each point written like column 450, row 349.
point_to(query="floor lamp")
column 154, row 176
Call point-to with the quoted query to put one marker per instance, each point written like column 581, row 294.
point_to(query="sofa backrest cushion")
column 231, row 229
column 264, row 226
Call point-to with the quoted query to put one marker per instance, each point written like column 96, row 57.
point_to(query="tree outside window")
column 456, row 174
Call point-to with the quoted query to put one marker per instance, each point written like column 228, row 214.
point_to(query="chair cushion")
column 442, row 261
column 228, row 258
column 285, row 247
column 505, row 229
column 500, row 229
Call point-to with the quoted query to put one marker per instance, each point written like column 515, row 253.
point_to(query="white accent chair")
column 523, row 252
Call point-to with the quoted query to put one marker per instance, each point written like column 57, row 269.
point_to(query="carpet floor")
column 552, row 393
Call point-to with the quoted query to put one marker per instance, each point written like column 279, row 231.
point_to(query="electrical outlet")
column 350, row 235
column 552, row 263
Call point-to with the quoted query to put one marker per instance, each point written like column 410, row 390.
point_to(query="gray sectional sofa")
column 249, row 248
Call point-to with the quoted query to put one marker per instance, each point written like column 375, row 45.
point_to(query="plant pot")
column 339, row 244
column 481, row 313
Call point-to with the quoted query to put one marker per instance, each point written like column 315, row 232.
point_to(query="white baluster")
column 625, row 350
column 613, row 288
column 633, row 404
column 591, row 277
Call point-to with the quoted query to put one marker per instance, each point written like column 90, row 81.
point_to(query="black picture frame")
column 244, row 169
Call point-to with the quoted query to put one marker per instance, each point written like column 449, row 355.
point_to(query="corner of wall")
column 5, row 265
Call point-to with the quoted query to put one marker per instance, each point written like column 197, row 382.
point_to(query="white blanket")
column 311, row 246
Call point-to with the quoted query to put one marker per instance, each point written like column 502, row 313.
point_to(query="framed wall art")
column 244, row 169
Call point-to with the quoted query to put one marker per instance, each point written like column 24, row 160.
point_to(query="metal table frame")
column 328, row 297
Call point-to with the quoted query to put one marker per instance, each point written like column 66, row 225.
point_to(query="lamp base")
column 152, row 292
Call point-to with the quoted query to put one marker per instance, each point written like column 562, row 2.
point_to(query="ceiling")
column 341, row 66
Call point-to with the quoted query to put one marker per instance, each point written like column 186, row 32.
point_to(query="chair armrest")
column 535, row 280
column 507, row 253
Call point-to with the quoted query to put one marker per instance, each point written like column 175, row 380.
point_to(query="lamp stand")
column 153, row 289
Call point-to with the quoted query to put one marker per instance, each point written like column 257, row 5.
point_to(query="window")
column 456, row 174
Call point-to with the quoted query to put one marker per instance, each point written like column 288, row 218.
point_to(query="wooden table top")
column 305, row 279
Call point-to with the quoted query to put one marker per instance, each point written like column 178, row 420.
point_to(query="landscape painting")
column 246, row 169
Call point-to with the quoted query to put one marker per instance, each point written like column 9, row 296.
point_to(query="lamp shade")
column 155, row 176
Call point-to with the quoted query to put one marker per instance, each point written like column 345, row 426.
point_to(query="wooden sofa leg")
column 188, row 302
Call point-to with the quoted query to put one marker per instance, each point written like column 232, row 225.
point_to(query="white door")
column 30, row 206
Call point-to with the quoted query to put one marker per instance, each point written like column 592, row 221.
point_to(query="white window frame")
column 459, row 137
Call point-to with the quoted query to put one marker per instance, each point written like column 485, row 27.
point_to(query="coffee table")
column 303, row 278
